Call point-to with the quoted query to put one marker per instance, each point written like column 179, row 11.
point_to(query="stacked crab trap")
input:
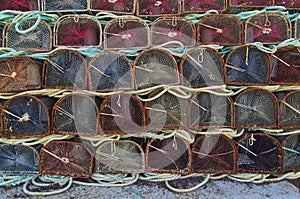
column 108, row 93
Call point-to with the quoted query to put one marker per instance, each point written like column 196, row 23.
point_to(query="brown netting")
column 171, row 155
column 214, row 154
column 250, row 3
column 64, row 5
column 158, row 8
column 65, row 69
column 202, row 67
column 247, row 65
column 288, row 4
column 291, row 153
column 196, row 6
column 66, row 158
column 25, row 116
column 220, row 29
column 123, row 156
column 256, row 108
column 290, row 111
column 115, row 6
column 155, row 67
column 19, row 5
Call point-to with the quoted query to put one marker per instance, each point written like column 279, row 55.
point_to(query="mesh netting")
column 202, row 67
column 256, row 108
column 110, row 71
column 157, row 8
column 290, row 110
column 155, row 67
column 115, row 6
column 250, row 3
column 194, row 6
column 67, row 159
column 76, row 114
column 214, row 154
column 291, row 153
column 19, row 74
column 64, row 5
column 297, row 29
column 288, row 4
column 247, row 65
column 222, row 29
column 18, row 159
column 25, row 116
column 119, row 157
column 20, row 5
column 65, row 69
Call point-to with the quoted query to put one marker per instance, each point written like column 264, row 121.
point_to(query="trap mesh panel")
column 18, row 159
column 110, row 71
column 195, row 6
column 291, row 153
column 202, row 67
column 209, row 110
column 64, row 5
column 168, row 29
column 259, row 153
column 288, row 4
column 25, row 116
column 246, row 65
column 77, row 31
column 126, row 34
column 215, row 153
column 122, row 114
column 20, row 5
column 250, row 3
column 115, row 6
column 286, row 66
column 19, row 74
column 268, row 28
column 171, row 155
column 119, row 157
column 221, row 29
column 65, row 69
column 297, row 29
column 155, row 67
column 76, row 114
column 256, row 108
column 290, row 111
column 39, row 39
column 158, row 8
column 67, row 159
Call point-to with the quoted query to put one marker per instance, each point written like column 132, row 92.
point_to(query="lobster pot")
column 25, row 116
column 64, row 5
column 288, row 4
column 114, row 6
column 256, row 108
column 158, row 8
column 173, row 29
column 122, row 114
column 208, row 110
column 122, row 157
column 203, row 6
column 290, row 111
column 214, row 154
column 76, row 114
column 20, row 5
column 37, row 40
column 259, row 153
column 110, row 71
column 297, row 29
column 247, row 65
column 67, row 159
column 291, row 153
column 286, row 66
column 155, row 67
column 171, row 155
column 66, row 69
column 220, row 29
column 250, row 3
column 126, row 33
column 201, row 67
column 19, row 74
column 77, row 31
column 18, row 160
column 267, row 28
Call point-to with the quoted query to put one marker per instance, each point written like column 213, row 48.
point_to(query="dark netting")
column 76, row 114
column 291, row 153
column 247, row 65
column 155, row 67
column 157, row 8
column 256, row 108
column 126, row 34
column 259, row 153
column 64, row 5
column 250, row 3
column 115, row 6
column 25, row 116
column 297, row 29
column 77, row 31
column 208, row 110
column 39, row 39
column 215, row 154
column 202, row 67
column 1, row 120
column 220, row 29
column 18, row 160
column 171, row 155
column 110, row 71
column 65, row 69
column 173, row 29
column 286, row 66
column 194, row 6
column 119, row 157
column 121, row 114
column 67, row 159
column 268, row 28
column 288, row 4
column 290, row 110
column 20, row 5
column 19, row 74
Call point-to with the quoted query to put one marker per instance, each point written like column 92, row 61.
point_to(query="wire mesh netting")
column 288, row 4
column 64, row 5
column 115, row 6
column 157, row 8
column 195, row 6
column 20, row 5
column 291, row 153
column 250, row 3
column 290, row 111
